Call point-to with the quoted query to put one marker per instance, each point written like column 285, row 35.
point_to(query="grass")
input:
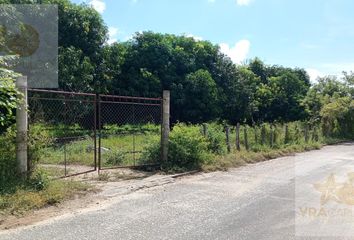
column 240, row 158
column 118, row 149
column 23, row 199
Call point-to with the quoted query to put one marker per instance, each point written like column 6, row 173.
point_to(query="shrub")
column 38, row 139
column 216, row 138
column 152, row 151
column 188, row 148
column 115, row 157
column 7, row 158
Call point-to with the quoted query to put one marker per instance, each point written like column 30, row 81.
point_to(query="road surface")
column 258, row 201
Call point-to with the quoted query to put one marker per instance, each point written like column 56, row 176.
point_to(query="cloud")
column 237, row 53
column 314, row 74
column 337, row 68
column 98, row 5
column 196, row 38
column 112, row 34
column 243, row 2
column 211, row 1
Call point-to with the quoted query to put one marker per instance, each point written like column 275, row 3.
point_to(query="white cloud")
column 196, row 38
column 314, row 74
column 237, row 53
column 337, row 68
column 211, row 1
column 112, row 34
column 243, row 2
column 98, row 5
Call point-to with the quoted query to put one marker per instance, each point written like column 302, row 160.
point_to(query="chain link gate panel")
column 68, row 123
column 127, row 125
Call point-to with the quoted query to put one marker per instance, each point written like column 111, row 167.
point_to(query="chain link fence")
column 85, row 132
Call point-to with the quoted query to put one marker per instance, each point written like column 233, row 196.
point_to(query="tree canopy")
column 205, row 84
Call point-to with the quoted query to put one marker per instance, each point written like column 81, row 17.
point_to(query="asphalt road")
column 259, row 201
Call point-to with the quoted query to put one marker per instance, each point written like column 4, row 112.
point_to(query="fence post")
column 255, row 135
column 286, row 137
column 22, row 126
column 165, row 128
column 275, row 135
column 314, row 135
column 245, row 136
column 263, row 135
column 238, row 137
column 306, row 133
column 205, row 129
column 271, row 136
column 227, row 131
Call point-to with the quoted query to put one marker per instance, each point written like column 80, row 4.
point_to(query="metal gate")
column 86, row 132
column 67, row 121
column 127, row 126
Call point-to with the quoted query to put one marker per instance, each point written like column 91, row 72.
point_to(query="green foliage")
column 8, row 164
column 188, row 148
column 130, row 128
column 200, row 97
column 115, row 157
column 338, row 117
column 26, row 198
column 216, row 138
column 9, row 95
column 37, row 141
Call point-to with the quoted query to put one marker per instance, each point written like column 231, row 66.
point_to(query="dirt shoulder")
column 106, row 189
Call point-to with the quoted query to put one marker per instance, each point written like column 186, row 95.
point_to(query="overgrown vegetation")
column 205, row 146
column 206, row 86
column 37, row 194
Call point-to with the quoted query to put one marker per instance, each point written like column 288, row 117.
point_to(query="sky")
column 317, row 35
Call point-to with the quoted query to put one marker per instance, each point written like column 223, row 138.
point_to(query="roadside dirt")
column 107, row 185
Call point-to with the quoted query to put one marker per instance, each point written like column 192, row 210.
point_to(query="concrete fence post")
column 165, row 131
column 22, row 127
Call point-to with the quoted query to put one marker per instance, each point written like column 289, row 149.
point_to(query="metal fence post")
column 165, row 125
column 22, row 126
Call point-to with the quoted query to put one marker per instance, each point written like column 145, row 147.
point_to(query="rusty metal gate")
column 84, row 132
column 127, row 126
column 67, row 123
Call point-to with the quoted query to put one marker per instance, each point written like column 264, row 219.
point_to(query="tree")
column 200, row 97
column 9, row 95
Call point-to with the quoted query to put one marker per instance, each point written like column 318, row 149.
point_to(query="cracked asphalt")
column 257, row 201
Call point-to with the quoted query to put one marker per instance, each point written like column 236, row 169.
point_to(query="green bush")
column 37, row 140
column 216, row 138
column 188, row 148
column 115, row 157
column 152, row 152
column 7, row 158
